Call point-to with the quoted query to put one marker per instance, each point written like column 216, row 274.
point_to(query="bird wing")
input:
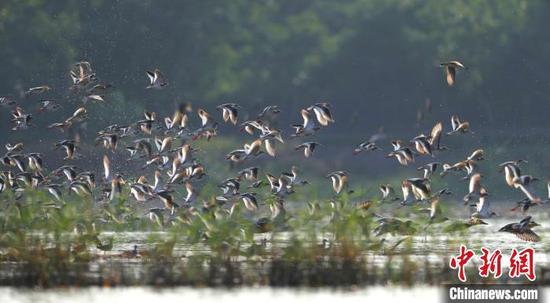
column 475, row 182
column 528, row 235
column 204, row 117
column 409, row 157
column 158, row 143
column 270, row 148
column 509, row 175
column 254, row 147
column 525, row 222
column 82, row 74
column 385, row 191
column 455, row 122
column 335, row 183
column 528, row 193
column 69, row 149
column 176, row 119
column 482, row 206
column 308, row 151
column 405, row 188
column 159, row 76
column 151, row 76
column 450, row 71
column 166, row 144
column 321, row 116
column 305, row 117
column 189, row 189
column 233, row 115
column 457, row 64
column 272, row 181
column 435, row 135
column 435, row 208
column 107, row 167
column 225, row 114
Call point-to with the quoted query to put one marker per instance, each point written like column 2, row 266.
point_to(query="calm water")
column 433, row 247
column 264, row 295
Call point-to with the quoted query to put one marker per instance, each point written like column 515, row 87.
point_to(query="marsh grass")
column 52, row 243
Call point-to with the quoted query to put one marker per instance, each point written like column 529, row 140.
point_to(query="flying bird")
column 365, row 146
column 522, row 230
column 450, row 70
column 308, row 147
column 229, row 112
column 459, row 126
column 37, row 90
column 156, row 79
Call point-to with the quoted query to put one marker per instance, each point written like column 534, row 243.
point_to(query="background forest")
column 376, row 62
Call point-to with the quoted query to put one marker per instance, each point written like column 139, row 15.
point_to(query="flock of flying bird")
column 165, row 144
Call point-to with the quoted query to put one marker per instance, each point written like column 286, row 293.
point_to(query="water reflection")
column 185, row 294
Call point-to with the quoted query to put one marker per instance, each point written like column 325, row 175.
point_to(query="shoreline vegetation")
column 40, row 246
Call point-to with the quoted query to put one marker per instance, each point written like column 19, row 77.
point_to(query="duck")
column 308, row 126
column 322, row 113
column 474, row 187
column 339, row 181
column 450, row 70
column 483, row 206
column 229, row 112
column 37, row 90
column 309, row 148
column 365, row 146
column 156, row 79
column 459, row 126
column 522, row 230
column 435, row 137
column 429, row 169
column 388, row 192
column 460, row 226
